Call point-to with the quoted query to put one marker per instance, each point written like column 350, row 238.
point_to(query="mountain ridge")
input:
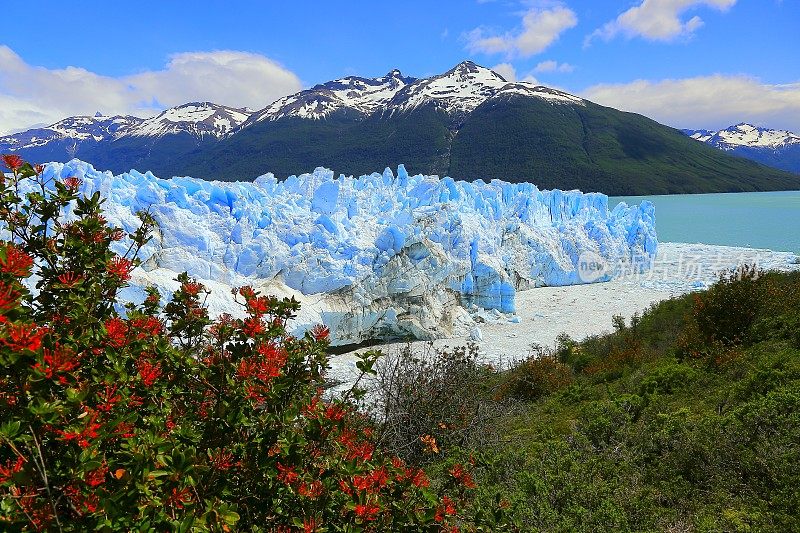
column 469, row 122
column 776, row 148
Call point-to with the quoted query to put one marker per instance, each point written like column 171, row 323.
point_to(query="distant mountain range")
column 467, row 123
column 776, row 148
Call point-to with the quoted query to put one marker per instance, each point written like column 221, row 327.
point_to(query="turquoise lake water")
column 754, row 219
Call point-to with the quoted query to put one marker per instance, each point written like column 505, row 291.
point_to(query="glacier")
column 378, row 256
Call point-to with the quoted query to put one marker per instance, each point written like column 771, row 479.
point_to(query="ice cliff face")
column 373, row 256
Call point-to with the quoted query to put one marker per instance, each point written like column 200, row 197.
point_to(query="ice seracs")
column 381, row 255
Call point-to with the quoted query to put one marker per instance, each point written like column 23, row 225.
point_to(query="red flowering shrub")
column 163, row 419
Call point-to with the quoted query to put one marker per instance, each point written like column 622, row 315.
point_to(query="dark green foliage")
column 589, row 147
column 643, row 441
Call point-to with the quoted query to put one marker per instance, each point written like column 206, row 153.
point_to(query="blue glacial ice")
column 385, row 254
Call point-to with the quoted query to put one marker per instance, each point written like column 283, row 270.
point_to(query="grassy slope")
column 648, row 438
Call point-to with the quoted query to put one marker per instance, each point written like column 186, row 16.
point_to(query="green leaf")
column 10, row 429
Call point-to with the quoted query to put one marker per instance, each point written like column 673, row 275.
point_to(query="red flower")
column 222, row 460
column 361, row 482
column 462, row 476
column 82, row 437
column 13, row 161
column 16, row 262
column 116, row 234
column 83, row 504
column 120, row 267
column 146, row 327
column 109, row 398
column 287, row 475
column 367, row 512
column 310, row 525
column 58, row 361
column 148, row 371
column 38, row 169
column 70, row 279
column 23, row 336
column 447, row 508
column 344, row 487
column 379, row 477
column 72, row 182
column 258, row 306
column 252, row 327
column 192, row 288
column 320, row 332
column 8, row 299
column 179, row 498
column 247, row 292
column 310, row 490
column 97, row 476
column 334, row 412
column 125, row 430
column 117, row 331
column 361, row 451
column 7, row 471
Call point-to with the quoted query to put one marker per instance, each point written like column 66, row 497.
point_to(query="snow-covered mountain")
column 362, row 95
column 466, row 86
column 199, row 119
column 777, row 148
column 744, row 134
column 457, row 92
column 469, row 122
column 76, row 129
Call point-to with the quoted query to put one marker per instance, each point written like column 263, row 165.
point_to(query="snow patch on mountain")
column 362, row 95
column 457, row 92
column 197, row 119
column 746, row 135
column 377, row 256
column 79, row 129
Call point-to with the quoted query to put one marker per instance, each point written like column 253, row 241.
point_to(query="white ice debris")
column 375, row 256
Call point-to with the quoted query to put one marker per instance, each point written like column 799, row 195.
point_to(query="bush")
column 431, row 401
column 727, row 310
column 163, row 419
column 538, row 375
column 667, row 379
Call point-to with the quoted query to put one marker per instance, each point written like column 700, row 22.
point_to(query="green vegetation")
column 589, row 147
column 686, row 419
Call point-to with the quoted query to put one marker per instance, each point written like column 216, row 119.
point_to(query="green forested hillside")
column 593, row 147
column 685, row 419
column 567, row 146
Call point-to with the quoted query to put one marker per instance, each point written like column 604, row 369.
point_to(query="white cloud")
column 35, row 95
column 540, row 28
column 711, row 102
column 658, row 20
column 508, row 72
column 553, row 66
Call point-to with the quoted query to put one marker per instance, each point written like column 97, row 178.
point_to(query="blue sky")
column 688, row 63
